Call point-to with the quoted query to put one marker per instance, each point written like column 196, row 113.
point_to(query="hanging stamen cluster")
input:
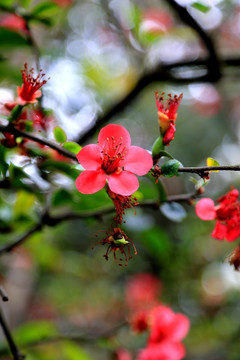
column 117, row 240
column 122, row 203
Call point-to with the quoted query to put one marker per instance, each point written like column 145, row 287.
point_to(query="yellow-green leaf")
column 212, row 162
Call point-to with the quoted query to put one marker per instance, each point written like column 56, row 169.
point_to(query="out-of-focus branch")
column 18, row 133
column 213, row 61
column 162, row 73
column 9, row 247
column 50, row 220
column 13, row 347
column 3, row 295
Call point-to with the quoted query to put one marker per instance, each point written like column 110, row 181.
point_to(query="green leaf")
column 23, row 203
column 170, row 168
column 59, row 135
column 3, row 163
column 15, row 113
column 61, row 197
column 161, row 191
column 25, row 3
column 212, row 162
column 73, row 351
column 35, row 331
column 156, row 241
column 11, row 39
column 45, row 9
column 157, row 147
column 16, row 174
column 173, row 211
column 201, row 7
column 72, row 147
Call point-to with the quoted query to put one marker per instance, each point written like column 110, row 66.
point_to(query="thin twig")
column 9, row 247
column 13, row 347
column 204, row 170
column 3, row 294
column 18, row 133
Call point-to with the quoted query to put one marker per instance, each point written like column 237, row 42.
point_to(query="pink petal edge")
column 118, row 132
column 137, row 160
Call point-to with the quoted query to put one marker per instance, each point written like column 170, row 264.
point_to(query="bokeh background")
column 66, row 301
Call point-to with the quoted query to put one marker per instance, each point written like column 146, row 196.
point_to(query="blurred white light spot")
column 208, row 20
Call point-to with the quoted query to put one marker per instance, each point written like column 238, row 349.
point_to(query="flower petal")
column 179, row 328
column 113, row 132
column 137, row 160
column 124, row 183
column 219, row 231
column 90, row 157
column 90, row 181
column 205, row 209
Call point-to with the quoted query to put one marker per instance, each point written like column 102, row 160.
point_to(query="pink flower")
column 165, row 350
column 165, row 325
column 112, row 160
column 167, row 115
column 29, row 91
column 227, row 214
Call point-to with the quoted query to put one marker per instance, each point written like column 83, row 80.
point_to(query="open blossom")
column 29, row 91
column 167, row 115
column 113, row 160
column 226, row 212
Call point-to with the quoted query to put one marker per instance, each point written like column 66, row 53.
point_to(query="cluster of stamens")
column 171, row 104
column 117, row 240
column 112, row 154
column 31, row 84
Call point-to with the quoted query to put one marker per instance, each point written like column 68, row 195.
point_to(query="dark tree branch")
column 13, row 347
column 3, row 294
column 204, row 170
column 18, row 133
column 9, row 247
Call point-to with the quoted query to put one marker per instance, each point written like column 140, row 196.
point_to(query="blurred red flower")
column 165, row 350
column 227, row 214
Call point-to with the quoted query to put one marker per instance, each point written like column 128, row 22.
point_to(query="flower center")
column 112, row 154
